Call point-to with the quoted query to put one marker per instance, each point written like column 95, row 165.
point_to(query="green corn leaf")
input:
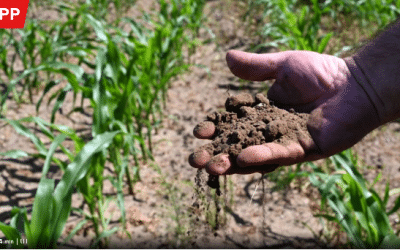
column 60, row 213
column 104, row 234
column 324, row 42
column 329, row 184
column 75, row 51
column 340, row 162
column 327, row 216
column 100, row 62
column 73, row 174
column 59, row 102
column 100, row 114
column 377, row 199
column 73, row 73
column 44, row 126
column 39, row 230
column 78, row 141
column 27, row 133
column 75, row 69
column 343, row 217
column 97, row 26
column 54, row 96
column 75, row 230
column 57, row 141
column 78, row 168
column 137, row 30
column 11, row 233
column 22, row 130
column 113, row 59
column 394, row 191
column 379, row 217
column 73, row 79
column 15, row 81
column 18, row 218
column 376, row 180
column 301, row 20
column 316, row 8
column 390, row 242
column 47, row 88
column 386, row 197
column 15, row 154
column 395, row 207
column 359, row 205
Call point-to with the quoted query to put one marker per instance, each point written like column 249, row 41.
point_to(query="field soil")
column 247, row 122
column 282, row 219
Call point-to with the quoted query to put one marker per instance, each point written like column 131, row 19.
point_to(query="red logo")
column 13, row 14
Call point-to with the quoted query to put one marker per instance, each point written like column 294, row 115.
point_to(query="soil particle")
column 249, row 121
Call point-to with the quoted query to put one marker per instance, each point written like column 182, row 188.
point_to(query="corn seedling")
column 44, row 231
column 360, row 211
column 296, row 30
column 381, row 12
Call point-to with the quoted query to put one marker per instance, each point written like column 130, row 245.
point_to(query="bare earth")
column 150, row 212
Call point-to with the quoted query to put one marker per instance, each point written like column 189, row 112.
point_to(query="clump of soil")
column 251, row 121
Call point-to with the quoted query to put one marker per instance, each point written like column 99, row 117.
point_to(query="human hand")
column 340, row 111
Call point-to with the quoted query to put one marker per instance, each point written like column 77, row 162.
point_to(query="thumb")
column 254, row 67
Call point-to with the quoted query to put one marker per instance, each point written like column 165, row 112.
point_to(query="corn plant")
column 359, row 209
column 37, row 46
column 184, row 13
column 297, row 30
column 6, row 62
column 92, row 193
column 381, row 12
column 44, row 231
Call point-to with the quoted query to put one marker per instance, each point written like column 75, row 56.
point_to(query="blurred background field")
column 97, row 105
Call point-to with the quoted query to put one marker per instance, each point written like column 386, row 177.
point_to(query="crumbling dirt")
column 248, row 121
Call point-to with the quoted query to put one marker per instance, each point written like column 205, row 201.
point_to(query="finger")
column 219, row 164
column 204, row 130
column 254, row 67
column 253, row 169
column 199, row 158
column 271, row 153
column 222, row 164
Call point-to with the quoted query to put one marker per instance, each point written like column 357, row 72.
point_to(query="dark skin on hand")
column 308, row 82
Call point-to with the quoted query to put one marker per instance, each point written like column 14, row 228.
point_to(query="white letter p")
column 14, row 12
column 3, row 12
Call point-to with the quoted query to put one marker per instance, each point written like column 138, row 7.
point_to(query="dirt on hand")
column 248, row 121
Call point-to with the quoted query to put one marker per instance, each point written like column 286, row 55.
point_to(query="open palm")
column 340, row 111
